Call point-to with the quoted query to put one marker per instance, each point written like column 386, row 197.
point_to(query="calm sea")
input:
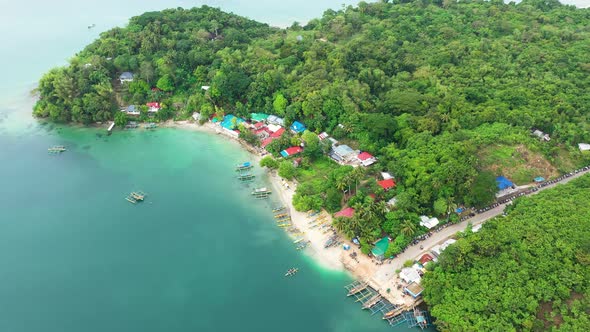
column 198, row 255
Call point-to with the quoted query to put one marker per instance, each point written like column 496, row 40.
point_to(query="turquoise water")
column 198, row 255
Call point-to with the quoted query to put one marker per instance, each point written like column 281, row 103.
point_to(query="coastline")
column 362, row 267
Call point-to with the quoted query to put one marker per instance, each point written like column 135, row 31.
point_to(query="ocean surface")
column 198, row 255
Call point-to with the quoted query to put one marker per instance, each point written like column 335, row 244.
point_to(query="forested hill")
column 439, row 91
column 529, row 271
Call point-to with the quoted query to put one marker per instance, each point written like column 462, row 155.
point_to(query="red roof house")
column 346, row 212
column 259, row 125
column 278, row 133
column 291, row 151
column 267, row 141
column 425, row 259
column 386, row 184
column 366, row 158
column 154, row 107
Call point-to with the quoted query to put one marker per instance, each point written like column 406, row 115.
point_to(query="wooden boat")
column 286, row 225
column 278, row 209
column 420, row 318
column 357, row 289
column 372, row 301
column 298, row 240
column 56, row 149
column 245, row 177
column 393, row 313
column 244, row 166
column 138, row 195
column 291, row 272
column 280, row 215
column 261, row 191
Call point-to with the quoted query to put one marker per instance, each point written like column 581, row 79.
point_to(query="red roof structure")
column 266, row 142
column 278, row 133
column 425, row 259
column 259, row 125
column 153, row 104
column 346, row 212
column 293, row 150
column 386, row 184
column 365, row 156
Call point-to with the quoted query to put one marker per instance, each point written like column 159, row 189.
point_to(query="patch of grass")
column 320, row 169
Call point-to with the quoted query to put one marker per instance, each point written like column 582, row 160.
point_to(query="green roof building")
column 380, row 248
column 258, row 117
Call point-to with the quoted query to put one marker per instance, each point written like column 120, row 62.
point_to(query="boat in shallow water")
column 291, row 272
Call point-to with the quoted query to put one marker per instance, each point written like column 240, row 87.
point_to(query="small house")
column 446, row 244
column 205, row 87
column 278, row 133
column 273, row 127
column 584, row 146
column 323, row 136
column 273, row 119
column 380, row 248
column 153, row 107
column 343, row 153
column 541, row 135
column 126, row 77
column 410, row 275
column 346, row 213
column 428, row 222
column 131, row 110
column 386, row 176
column 503, row 183
column 297, row 127
column 366, row 159
column 265, row 142
column 425, row 259
column 261, row 133
column 291, row 151
column 414, row 289
column 258, row 117
column 386, row 184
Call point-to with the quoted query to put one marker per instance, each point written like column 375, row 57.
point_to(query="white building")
column 584, row 146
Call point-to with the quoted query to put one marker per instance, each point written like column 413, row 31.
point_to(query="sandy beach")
column 381, row 277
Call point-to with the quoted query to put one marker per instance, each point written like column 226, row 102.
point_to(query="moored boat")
column 291, row 272
column 244, row 166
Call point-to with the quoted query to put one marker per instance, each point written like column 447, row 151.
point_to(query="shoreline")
column 361, row 267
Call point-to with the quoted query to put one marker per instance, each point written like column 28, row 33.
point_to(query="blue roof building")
column 229, row 123
column 297, row 127
column 503, row 183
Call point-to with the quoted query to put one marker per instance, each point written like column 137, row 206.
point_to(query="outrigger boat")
column 299, row 240
column 331, row 241
column 372, row 301
column 261, row 192
column 150, row 125
column 130, row 199
column 138, row 195
column 56, row 149
column 393, row 313
column 358, row 289
column 246, row 177
column 278, row 209
column 281, row 215
column 285, row 225
column 244, row 166
column 291, row 272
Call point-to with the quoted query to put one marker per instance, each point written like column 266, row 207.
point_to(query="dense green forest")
column 444, row 93
column 528, row 271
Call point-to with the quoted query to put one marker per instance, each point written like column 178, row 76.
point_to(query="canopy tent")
column 380, row 248
column 503, row 183
column 539, row 179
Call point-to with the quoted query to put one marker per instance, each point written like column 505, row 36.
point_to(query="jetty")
column 56, row 149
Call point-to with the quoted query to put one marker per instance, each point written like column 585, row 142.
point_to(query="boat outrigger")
column 291, row 272
column 358, row 289
column 278, row 209
column 135, row 196
column 244, row 166
column 56, row 149
column 261, row 192
column 372, row 301
column 246, row 177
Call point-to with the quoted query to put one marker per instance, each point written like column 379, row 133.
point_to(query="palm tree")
column 408, row 228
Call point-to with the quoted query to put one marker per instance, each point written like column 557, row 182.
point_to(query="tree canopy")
column 528, row 271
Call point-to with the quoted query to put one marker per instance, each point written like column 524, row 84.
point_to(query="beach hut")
column 346, row 213
column 297, row 127
column 126, row 77
column 380, row 248
column 386, row 184
column 503, row 183
column 291, row 151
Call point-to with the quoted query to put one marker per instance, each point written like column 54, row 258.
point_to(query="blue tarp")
column 284, row 154
column 298, row 127
column 503, row 183
column 539, row 179
column 459, row 210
